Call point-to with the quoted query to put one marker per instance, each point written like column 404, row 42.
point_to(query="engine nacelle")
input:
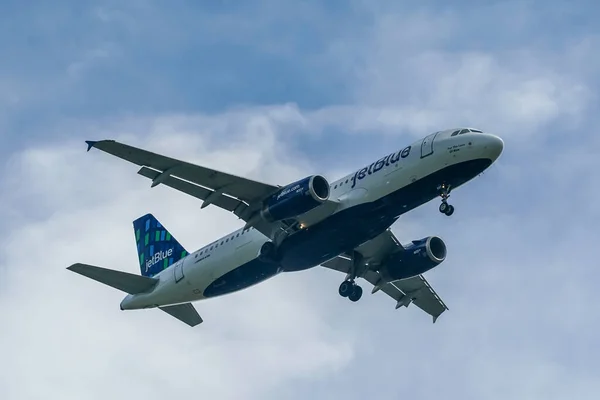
column 296, row 199
column 418, row 257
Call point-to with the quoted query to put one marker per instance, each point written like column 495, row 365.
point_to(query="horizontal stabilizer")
column 184, row 312
column 129, row 283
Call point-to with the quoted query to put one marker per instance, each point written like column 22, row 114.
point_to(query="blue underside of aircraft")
column 346, row 230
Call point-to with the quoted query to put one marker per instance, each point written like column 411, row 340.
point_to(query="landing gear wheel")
column 450, row 210
column 356, row 293
column 346, row 289
column 444, row 207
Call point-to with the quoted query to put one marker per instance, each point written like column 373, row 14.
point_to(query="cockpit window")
column 463, row 131
column 455, row 133
column 475, row 130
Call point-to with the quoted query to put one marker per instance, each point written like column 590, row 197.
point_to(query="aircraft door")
column 427, row 145
column 178, row 271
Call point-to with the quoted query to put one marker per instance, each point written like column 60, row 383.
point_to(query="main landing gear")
column 349, row 288
column 445, row 208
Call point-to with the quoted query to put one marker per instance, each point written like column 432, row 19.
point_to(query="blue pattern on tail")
column 157, row 249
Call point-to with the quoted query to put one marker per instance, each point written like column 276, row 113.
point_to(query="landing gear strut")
column 445, row 208
column 349, row 288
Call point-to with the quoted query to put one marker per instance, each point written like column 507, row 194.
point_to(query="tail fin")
column 157, row 249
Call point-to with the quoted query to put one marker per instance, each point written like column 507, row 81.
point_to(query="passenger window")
column 347, row 180
column 455, row 133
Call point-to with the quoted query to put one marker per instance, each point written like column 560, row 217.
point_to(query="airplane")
column 344, row 225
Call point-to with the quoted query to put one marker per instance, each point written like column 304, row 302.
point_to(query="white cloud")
column 68, row 331
column 473, row 89
column 519, row 280
column 503, row 284
column 421, row 71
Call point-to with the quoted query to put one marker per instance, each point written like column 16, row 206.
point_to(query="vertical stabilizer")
column 157, row 248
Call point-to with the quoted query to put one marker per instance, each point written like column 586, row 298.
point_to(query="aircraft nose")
column 495, row 145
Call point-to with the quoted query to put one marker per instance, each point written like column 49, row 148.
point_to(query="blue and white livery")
column 342, row 225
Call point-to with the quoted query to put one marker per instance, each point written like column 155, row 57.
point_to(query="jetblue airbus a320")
column 342, row 225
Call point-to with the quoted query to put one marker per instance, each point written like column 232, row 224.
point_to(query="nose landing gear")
column 445, row 208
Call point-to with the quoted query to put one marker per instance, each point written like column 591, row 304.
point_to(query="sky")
column 275, row 91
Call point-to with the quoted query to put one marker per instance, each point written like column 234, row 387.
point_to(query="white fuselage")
column 187, row 279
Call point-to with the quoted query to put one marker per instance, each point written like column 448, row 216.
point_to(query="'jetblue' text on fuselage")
column 378, row 165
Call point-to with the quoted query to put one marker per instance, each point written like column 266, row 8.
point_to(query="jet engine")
column 296, row 199
column 416, row 258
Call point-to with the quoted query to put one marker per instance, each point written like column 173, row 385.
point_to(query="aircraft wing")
column 242, row 196
column 406, row 291
column 239, row 195
column 241, row 188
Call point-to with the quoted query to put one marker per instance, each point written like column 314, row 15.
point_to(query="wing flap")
column 185, row 312
column 415, row 290
column 199, row 192
column 424, row 296
column 239, row 208
column 124, row 281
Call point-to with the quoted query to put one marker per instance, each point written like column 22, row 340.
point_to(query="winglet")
column 90, row 144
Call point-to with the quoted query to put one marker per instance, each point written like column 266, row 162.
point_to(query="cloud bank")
column 277, row 101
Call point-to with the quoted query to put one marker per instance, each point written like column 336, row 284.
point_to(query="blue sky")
column 276, row 90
